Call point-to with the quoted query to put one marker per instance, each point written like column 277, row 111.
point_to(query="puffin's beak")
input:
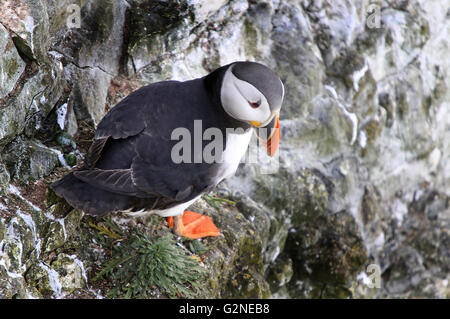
column 269, row 135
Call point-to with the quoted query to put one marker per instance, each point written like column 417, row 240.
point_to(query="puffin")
column 136, row 164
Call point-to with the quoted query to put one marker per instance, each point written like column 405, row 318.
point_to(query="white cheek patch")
column 235, row 96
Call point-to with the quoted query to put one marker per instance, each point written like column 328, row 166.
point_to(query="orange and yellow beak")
column 269, row 135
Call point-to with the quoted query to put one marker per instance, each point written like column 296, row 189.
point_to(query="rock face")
column 354, row 205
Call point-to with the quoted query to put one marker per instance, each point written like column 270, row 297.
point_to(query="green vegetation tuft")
column 197, row 248
column 140, row 265
column 217, row 202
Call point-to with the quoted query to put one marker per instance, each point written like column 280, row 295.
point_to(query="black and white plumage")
column 129, row 165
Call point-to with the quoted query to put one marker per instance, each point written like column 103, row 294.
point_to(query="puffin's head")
column 253, row 93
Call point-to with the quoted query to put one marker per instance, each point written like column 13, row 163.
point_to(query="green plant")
column 141, row 264
column 217, row 202
column 197, row 247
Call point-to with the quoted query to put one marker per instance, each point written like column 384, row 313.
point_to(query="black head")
column 251, row 92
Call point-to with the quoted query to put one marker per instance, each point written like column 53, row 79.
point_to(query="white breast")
column 236, row 147
column 173, row 211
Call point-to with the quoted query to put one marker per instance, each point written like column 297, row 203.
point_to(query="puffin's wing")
column 94, row 152
column 126, row 118
column 118, row 181
column 123, row 120
column 146, row 180
column 180, row 182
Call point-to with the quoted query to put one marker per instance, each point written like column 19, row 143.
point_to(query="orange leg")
column 193, row 225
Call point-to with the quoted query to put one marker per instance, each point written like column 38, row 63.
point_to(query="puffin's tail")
column 90, row 199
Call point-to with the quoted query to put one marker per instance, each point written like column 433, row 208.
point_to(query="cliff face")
column 361, row 183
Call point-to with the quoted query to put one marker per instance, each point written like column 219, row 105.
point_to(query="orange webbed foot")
column 193, row 225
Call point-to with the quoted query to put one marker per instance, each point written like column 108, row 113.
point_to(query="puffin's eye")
column 255, row 104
